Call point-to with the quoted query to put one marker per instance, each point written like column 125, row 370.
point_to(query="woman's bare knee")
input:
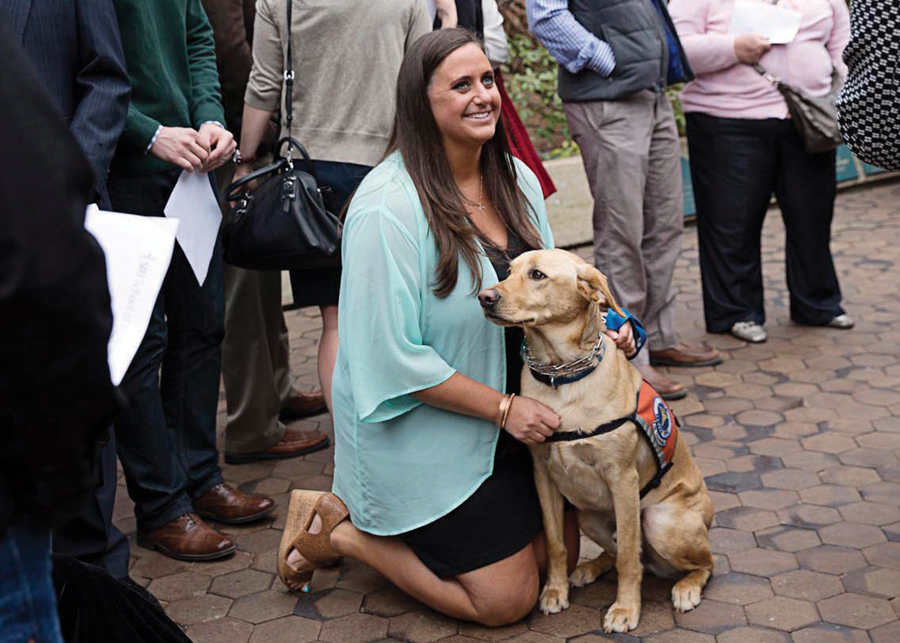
column 508, row 610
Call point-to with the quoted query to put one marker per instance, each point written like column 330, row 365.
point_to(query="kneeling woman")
column 439, row 500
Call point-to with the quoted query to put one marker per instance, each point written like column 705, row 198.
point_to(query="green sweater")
column 171, row 61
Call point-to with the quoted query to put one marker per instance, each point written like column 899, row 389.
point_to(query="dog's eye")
column 537, row 275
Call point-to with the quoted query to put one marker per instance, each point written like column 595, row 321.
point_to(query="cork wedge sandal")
column 315, row 548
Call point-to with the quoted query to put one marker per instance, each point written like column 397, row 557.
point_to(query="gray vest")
column 634, row 31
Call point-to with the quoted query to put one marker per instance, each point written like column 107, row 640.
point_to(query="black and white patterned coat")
column 869, row 106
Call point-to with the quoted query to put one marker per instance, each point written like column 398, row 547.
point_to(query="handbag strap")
column 289, row 76
column 762, row 72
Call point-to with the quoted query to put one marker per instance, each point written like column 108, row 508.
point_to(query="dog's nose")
column 488, row 297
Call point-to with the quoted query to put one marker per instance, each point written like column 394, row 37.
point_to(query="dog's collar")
column 556, row 374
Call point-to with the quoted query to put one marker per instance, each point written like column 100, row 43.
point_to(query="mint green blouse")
column 399, row 463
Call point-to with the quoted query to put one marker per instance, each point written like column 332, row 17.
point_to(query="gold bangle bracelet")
column 501, row 410
column 506, row 410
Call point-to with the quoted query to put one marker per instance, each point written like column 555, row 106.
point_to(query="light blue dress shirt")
column 573, row 46
column 401, row 464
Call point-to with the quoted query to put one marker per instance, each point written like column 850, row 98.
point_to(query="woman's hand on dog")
column 531, row 422
column 624, row 339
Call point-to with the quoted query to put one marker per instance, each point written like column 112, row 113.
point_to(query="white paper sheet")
column 194, row 204
column 778, row 24
column 138, row 251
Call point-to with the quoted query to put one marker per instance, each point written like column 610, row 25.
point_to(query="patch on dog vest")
column 659, row 426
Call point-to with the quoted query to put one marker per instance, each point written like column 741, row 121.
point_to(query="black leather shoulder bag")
column 283, row 223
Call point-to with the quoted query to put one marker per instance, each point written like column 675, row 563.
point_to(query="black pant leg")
column 90, row 536
column 806, row 189
column 733, row 166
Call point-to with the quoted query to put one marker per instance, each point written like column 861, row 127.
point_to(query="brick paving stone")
column 729, row 541
column 850, row 476
column 422, row 627
column 228, row 629
column 856, row 610
column 831, row 559
column 237, row 584
column 886, row 633
column 355, row 628
column 790, row 539
column 264, row 606
column 881, row 492
column 775, row 447
column 772, row 499
column 599, row 595
column 534, row 637
column 809, row 460
column 746, row 518
column 656, row 616
column 290, row 629
column 389, row 602
column 712, row 617
column 260, row 541
column 851, row 535
column 737, row 589
column 870, row 513
column 830, row 495
column 198, row 609
column 806, row 585
column 884, row 555
column 339, row 602
column 571, row 622
column 679, row 636
column 867, row 457
column 790, row 479
column 829, row 633
column 760, row 464
column 483, row 633
column 180, row 585
column 762, row 562
column 874, row 580
column 809, row 516
column 782, row 613
column 753, row 635
column 723, row 501
column 828, row 443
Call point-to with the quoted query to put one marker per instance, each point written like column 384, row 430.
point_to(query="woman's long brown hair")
column 416, row 135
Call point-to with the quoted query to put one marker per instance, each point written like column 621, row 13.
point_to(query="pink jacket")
column 726, row 88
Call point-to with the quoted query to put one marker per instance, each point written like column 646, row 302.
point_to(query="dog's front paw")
column 584, row 574
column 686, row 596
column 554, row 600
column 622, row 618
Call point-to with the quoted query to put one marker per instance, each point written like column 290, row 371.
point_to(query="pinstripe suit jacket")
column 75, row 48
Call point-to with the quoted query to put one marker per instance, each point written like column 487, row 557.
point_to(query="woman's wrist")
column 503, row 410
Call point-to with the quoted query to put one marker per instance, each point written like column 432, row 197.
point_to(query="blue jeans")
column 27, row 598
column 166, row 437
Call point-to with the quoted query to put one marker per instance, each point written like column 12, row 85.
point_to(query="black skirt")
column 495, row 522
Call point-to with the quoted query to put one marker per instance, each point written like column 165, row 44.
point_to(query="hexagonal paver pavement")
column 798, row 439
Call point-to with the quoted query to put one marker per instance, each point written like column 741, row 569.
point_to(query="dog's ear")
column 593, row 286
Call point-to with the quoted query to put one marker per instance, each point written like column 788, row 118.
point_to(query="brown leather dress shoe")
column 667, row 388
column 224, row 503
column 303, row 405
column 685, row 354
column 293, row 443
column 188, row 538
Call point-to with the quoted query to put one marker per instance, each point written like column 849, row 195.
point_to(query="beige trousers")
column 255, row 353
column 632, row 158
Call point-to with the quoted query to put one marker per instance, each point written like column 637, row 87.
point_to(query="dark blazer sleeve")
column 56, row 398
column 102, row 85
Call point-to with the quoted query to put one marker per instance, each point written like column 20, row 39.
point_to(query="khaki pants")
column 631, row 155
column 255, row 353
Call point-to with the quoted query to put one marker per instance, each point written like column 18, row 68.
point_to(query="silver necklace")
column 569, row 368
column 480, row 192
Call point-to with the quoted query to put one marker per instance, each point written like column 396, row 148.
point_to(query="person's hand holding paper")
column 776, row 23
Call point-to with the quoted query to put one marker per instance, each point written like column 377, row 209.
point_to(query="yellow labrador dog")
column 616, row 440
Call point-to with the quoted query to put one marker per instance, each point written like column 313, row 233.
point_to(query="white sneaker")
column 750, row 332
column 843, row 322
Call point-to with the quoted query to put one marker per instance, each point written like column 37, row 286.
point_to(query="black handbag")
column 282, row 224
column 816, row 119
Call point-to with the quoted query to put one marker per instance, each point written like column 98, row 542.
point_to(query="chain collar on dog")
column 556, row 374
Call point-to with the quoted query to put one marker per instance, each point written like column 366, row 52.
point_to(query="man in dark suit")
column 56, row 397
column 74, row 46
